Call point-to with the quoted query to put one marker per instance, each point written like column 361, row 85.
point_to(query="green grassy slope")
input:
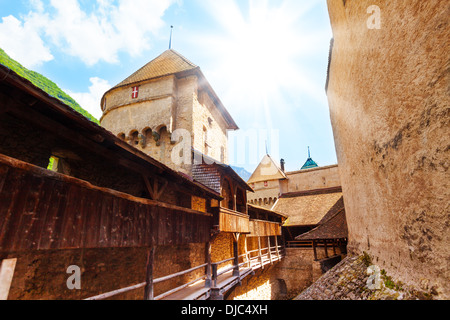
column 43, row 83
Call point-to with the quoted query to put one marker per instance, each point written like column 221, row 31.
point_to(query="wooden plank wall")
column 259, row 228
column 232, row 221
column 43, row 210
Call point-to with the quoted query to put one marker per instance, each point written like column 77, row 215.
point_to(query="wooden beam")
column 270, row 251
column 149, row 187
column 162, row 188
column 149, row 294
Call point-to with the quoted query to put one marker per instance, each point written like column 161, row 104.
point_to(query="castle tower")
column 163, row 101
column 265, row 181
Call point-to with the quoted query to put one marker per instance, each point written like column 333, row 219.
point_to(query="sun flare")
column 260, row 49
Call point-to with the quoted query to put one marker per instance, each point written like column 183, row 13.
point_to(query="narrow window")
column 53, row 164
column 134, row 138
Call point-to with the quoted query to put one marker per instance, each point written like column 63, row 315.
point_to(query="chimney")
column 282, row 164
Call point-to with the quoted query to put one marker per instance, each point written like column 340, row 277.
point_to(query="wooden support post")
column 276, row 245
column 236, row 255
column 326, row 248
column 259, row 252
column 270, row 250
column 315, row 250
column 208, row 281
column 148, row 293
column 214, row 275
column 334, row 247
column 247, row 256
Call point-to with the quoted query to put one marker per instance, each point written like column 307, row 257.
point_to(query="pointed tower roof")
column 169, row 62
column 310, row 163
column 267, row 170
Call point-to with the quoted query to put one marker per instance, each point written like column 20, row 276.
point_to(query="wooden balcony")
column 232, row 221
column 260, row 228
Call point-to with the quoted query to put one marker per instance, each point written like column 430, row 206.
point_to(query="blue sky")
column 266, row 60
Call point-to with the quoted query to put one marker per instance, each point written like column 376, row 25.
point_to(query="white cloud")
column 108, row 28
column 101, row 34
column 90, row 101
column 22, row 42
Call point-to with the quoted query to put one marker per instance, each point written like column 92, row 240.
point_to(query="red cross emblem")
column 135, row 92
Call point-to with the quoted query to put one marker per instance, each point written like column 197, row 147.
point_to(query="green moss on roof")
column 44, row 84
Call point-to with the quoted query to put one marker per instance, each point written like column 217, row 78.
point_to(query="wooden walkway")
column 221, row 280
column 226, row 280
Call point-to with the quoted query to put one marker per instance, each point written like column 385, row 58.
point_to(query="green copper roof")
column 310, row 163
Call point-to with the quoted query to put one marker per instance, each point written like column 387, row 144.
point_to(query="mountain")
column 43, row 83
column 244, row 174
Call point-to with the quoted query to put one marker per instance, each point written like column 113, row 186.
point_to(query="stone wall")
column 41, row 275
column 311, row 179
column 209, row 128
column 389, row 103
column 349, row 279
column 222, row 248
column 281, row 281
column 264, row 196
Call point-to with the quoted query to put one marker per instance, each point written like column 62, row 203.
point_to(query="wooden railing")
column 299, row 244
column 271, row 255
column 155, row 281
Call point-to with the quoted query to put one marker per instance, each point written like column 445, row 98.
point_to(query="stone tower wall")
column 389, row 102
column 163, row 106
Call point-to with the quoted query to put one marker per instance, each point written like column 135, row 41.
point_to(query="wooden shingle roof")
column 168, row 63
column 308, row 208
column 333, row 228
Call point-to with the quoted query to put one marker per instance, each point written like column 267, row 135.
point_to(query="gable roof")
column 204, row 171
column 308, row 208
column 266, row 170
column 169, row 62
